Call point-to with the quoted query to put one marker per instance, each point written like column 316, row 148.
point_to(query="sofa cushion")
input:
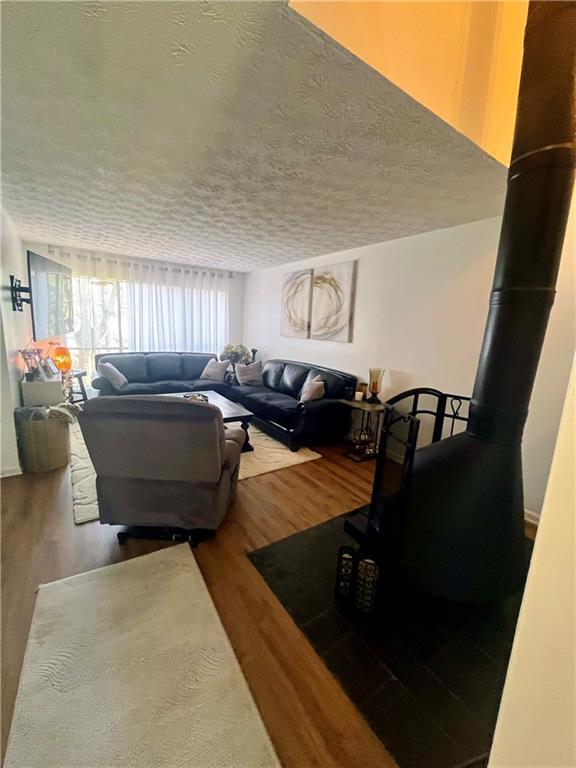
column 132, row 365
column 193, row 364
column 273, row 406
column 209, row 384
column 293, row 377
column 241, row 391
column 172, row 387
column 155, row 388
column 164, row 366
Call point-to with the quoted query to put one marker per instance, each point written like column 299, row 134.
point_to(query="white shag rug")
column 129, row 665
column 269, row 455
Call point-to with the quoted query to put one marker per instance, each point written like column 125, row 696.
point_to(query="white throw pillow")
column 315, row 389
column 250, row 374
column 114, row 376
column 215, row 370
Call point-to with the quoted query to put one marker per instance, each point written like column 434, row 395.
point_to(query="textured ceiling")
column 230, row 134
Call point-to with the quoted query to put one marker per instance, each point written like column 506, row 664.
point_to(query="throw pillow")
column 250, row 374
column 313, row 390
column 114, row 376
column 215, row 370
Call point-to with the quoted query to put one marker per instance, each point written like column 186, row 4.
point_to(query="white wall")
column 16, row 333
column 537, row 719
column 236, row 310
column 9, row 463
column 421, row 307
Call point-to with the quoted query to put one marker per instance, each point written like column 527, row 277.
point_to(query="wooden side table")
column 367, row 436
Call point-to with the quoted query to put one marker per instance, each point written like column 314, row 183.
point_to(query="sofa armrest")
column 320, row 406
column 322, row 419
column 103, row 385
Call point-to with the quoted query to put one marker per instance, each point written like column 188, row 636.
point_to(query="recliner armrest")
column 235, row 434
column 232, row 453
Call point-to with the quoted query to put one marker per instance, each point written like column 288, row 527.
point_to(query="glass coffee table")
column 230, row 411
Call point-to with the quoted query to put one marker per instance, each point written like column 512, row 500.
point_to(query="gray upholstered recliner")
column 161, row 461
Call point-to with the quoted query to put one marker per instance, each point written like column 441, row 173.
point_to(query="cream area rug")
column 129, row 665
column 268, row 455
column 85, row 503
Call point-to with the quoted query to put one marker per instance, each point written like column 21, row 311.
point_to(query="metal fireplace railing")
column 449, row 410
column 399, row 436
column 380, row 524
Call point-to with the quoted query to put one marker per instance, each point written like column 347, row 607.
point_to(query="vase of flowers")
column 236, row 353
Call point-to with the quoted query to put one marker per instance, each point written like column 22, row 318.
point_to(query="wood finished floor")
column 309, row 718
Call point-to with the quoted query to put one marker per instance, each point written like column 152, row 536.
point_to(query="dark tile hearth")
column 426, row 674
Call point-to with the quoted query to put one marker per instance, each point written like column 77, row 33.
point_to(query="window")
column 118, row 316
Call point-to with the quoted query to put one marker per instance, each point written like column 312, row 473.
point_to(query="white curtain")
column 163, row 317
column 122, row 305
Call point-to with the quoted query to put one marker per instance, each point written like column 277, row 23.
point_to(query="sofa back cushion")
column 193, row 363
column 293, row 377
column 131, row 364
column 144, row 367
column 272, row 373
column 164, row 366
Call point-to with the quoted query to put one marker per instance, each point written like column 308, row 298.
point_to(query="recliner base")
column 193, row 537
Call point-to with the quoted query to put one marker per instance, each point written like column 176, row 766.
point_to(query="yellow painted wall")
column 460, row 59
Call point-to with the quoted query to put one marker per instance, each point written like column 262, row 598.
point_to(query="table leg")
column 80, row 379
column 247, row 445
column 378, row 431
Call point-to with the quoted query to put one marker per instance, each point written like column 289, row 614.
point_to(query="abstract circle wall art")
column 296, row 300
column 318, row 303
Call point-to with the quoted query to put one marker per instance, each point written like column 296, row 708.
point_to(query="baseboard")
column 10, row 471
column 531, row 517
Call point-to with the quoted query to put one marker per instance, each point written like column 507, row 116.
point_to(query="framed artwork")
column 332, row 298
column 296, row 297
column 319, row 303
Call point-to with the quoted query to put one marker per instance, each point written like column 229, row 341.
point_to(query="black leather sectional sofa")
column 276, row 405
column 278, row 410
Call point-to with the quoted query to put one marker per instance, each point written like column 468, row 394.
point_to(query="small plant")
column 236, row 353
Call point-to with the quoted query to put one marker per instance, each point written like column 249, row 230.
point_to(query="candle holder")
column 375, row 382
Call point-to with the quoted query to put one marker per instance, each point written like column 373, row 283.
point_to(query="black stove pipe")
column 464, row 531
